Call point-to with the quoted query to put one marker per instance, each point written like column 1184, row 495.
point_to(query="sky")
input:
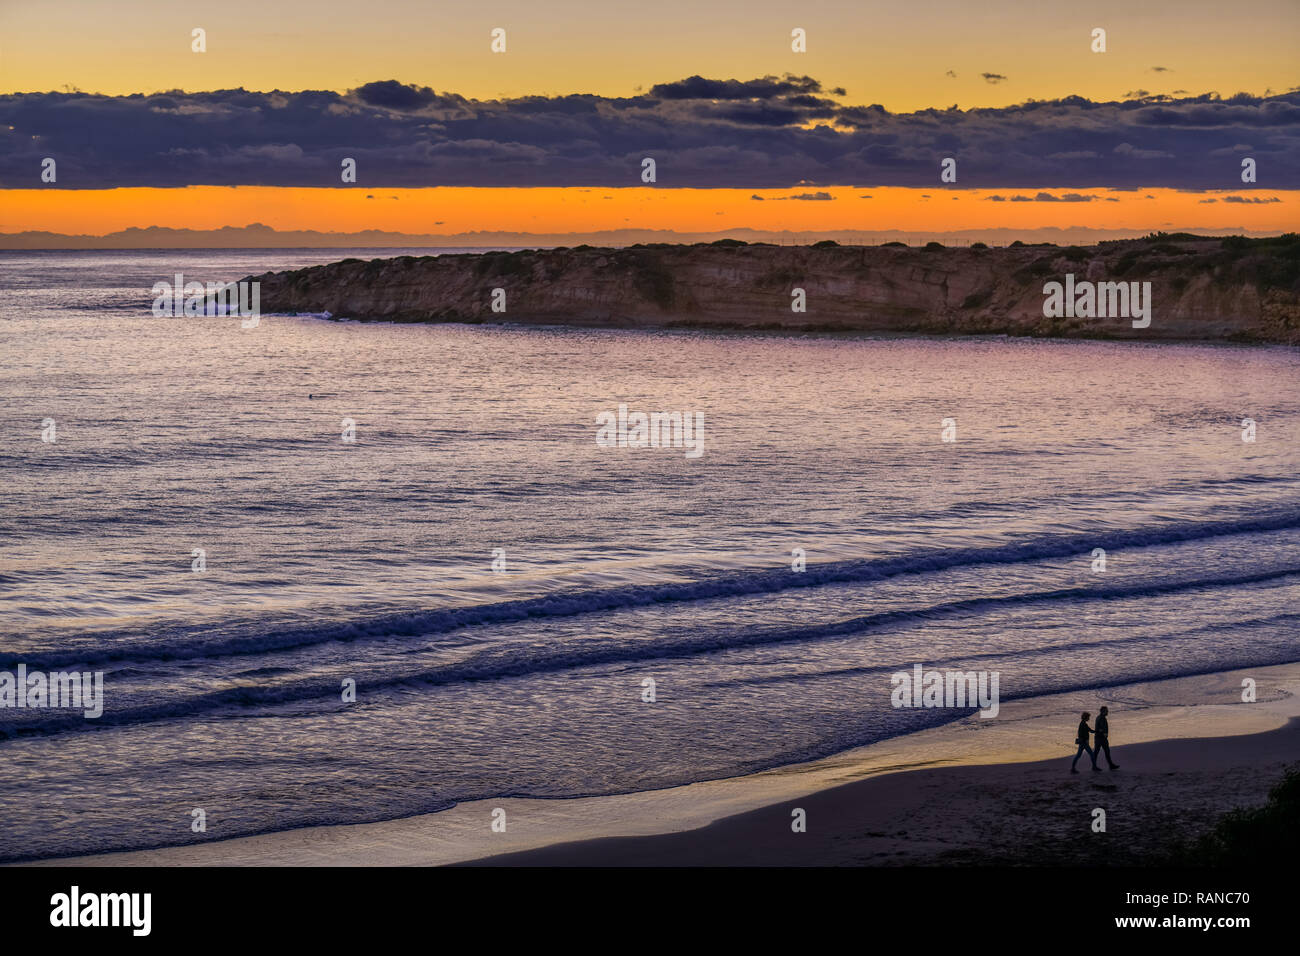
column 551, row 135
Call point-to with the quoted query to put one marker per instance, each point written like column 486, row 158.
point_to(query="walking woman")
column 1081, row 738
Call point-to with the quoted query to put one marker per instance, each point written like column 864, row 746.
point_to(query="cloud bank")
column 770, row 132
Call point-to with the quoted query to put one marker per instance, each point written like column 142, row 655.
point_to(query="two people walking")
column 1102, row 735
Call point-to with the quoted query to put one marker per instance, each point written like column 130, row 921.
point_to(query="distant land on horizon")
column 261, row 236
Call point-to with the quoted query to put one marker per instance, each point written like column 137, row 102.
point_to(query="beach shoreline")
column 1165, row 795
column 1189, row 750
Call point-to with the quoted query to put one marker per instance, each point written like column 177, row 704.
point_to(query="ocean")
column 503, row 595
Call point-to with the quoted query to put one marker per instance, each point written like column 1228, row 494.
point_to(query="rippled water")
column 372, row 560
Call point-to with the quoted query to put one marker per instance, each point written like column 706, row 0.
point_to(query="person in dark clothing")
column 1081, row 738
column 1102, row 741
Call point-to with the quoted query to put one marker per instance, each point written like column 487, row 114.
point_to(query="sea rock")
column 1201, row 289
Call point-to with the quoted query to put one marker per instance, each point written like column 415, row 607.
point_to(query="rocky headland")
column 1208, row 289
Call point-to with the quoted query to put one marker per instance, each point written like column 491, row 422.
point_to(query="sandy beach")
column 974, row 791
column 1000, row 814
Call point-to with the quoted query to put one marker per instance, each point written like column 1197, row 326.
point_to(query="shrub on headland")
column 1255, row 835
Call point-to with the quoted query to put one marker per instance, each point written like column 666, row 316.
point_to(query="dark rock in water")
column 1232, row 289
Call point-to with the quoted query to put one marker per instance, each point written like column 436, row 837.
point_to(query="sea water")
column 464, row 594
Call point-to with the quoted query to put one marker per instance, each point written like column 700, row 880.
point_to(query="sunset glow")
column 452, row 210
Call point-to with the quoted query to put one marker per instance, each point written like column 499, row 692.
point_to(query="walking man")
column 1102, row 742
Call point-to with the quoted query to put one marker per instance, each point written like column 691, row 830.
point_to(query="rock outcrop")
column 1231, row 289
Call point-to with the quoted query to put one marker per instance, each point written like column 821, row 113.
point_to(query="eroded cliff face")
column 1240, row 290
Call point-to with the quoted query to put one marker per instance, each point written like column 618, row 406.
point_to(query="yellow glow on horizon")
column 449, row 210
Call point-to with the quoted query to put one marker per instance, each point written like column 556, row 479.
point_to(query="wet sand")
column 971, row 791
column 1001, row 814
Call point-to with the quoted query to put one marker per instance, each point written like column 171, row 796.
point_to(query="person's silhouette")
column 1081, row 738
column 1102, row 741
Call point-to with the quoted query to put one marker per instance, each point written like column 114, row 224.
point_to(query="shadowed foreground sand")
column 1003, row 814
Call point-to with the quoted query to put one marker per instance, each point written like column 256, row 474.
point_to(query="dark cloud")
column 769, row 87
column 760, row 114
column 1047, row 197
column 804, row 197
column 1134, row 152
column 394, row 95
column 772, row 132
column 1251, row 199
column 993, row 77
column 1211, row 115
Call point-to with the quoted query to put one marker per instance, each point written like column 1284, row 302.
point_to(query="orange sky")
column 448, row 210
column 905, row 56
column 920, row 54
